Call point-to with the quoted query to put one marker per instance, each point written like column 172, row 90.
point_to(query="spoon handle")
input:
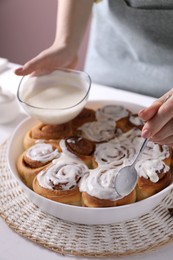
column 140, row 150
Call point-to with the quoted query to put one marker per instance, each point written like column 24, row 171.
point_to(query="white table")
column 14, row 246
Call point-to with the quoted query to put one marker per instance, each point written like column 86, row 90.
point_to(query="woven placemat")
column 132, row 237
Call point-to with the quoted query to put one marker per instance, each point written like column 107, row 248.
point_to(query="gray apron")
column 131, row 45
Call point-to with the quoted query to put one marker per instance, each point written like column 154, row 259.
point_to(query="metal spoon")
column 126, row 178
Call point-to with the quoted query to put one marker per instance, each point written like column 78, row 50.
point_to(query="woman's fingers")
column 159, row 117
column 47, row 61
column 31, row 66
column 165, row 135
column 28, row 68
column 147, row 113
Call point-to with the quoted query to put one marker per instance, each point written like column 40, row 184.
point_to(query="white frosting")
column 149, row 169
column 114, row 153
column 100, row 183
column 42, row 152
column 155, row 151
column 111, row 112
column 134, row 136
column 64, row 171
column 99, row 131
column 120, row 148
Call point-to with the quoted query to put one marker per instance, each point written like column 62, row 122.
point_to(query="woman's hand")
column 159, row 120
column 72, row 19
column 47, row 61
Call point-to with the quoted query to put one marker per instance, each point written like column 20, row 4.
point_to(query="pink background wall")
column 28, row 27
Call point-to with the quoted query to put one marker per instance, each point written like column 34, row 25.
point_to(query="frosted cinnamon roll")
column 118, row 150
column 85, row 116
column 98, row 189
column 59, row 182
column 131, row 134
column 112, row 112
column 113, row 153
column 48, row 133
column 132, row 138
column 159, row 177
column 156, row 151
column 80, row 147
column 35, row 159
column 99, row 131
column 154, row 170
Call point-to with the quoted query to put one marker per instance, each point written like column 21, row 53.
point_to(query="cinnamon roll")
column 35, row 159
column 145, row 187
column 98, row 189
column 118, row 150
column 154, row 170
column 112, row 112
column 99, row 131
column 59, row 182
column 48, row 133
column 117, row 113
column 80, row 147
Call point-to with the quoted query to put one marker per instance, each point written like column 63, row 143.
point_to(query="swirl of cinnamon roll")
column 132, row 137
column 152, row 169
column 80, row 147
column 156, row 151
column 154, row 161
column 114, row 153
column 132, row 134
column 154, row 176
column 98, row 188
column 44, row 131
column 118, row 150
column 47, row 132
column 40, row 154
column 35, row 159
column 59, row 181
column 111, row 112
column 99, row 131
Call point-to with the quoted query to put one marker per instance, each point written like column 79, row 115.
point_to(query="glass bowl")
column 54, row 98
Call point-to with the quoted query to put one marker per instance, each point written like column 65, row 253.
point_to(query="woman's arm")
column 72, row 19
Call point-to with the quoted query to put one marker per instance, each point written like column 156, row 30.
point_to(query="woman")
column 131, row 48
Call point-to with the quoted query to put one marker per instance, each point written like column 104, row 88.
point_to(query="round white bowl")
column 81, row 215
